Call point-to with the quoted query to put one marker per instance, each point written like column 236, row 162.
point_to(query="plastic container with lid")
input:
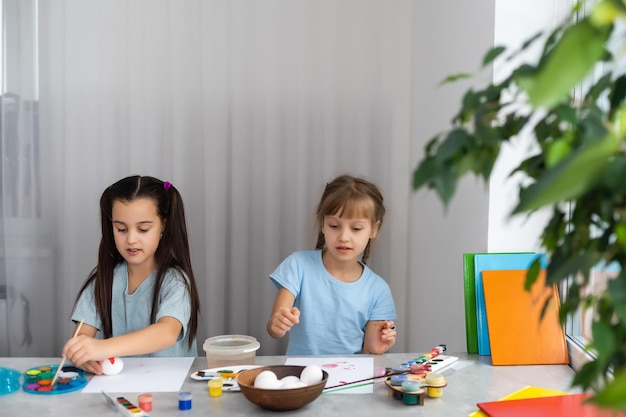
column 232, row 349
column 10, row 380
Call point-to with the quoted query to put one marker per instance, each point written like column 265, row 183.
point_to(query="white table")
column 472, row 379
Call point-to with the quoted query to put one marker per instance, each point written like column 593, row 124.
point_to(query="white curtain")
column 248, row 108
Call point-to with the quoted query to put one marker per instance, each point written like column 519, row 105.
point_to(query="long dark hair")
column 351, row 197
column 172, row 252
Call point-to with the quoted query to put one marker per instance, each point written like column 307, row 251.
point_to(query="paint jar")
column 411, row 386
column 410, row 399
column 436, row 383
column 232, row 349
column 145, row 401
column 215, row 387
column 396, row 380
column 184, row 400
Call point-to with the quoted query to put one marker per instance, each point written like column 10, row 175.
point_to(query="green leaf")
column 557, row 151
column 454, row 144
column 569, row 178
column 614, row 394
column 455, row 77
column 586, row 375
column 603, row 340
column 445, row 184
column 604, row 13
column 599, row 87
column 618, row 92
column 431, row 145
column 493, row 54
column 620, row 310
column 531, row 40
column 592, row 126
column 559, row 268
column 512, row 125
column 424, row 173
column 531, row 167
column 572, row 57
column 567, row 113
column 532, row 274
column 617, row 288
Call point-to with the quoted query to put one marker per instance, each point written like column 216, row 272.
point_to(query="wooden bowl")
column 279, row 399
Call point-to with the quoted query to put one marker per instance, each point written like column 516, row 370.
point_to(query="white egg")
column 311, row 374
column 266, row 380
column 112, row 366
column 289, row 382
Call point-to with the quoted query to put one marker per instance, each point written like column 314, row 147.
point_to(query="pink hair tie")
column 167, row 185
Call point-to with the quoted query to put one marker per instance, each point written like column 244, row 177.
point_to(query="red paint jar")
column 145, row 402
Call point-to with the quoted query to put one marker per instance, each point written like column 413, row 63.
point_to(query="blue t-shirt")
column 333, row 313
column 131, row 312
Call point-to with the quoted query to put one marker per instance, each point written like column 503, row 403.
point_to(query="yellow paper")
column 526, row 392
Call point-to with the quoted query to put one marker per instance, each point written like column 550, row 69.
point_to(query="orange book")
column 518, row 335
column 573, row 405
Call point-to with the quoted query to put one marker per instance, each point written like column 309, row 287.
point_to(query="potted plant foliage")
column 578, row 171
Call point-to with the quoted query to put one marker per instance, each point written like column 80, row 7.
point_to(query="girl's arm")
column 380, row 336
column 284, row 314
column 83, row 349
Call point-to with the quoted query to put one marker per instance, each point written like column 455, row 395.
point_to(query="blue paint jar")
column 396, row 380
column 411, row 386
column 184, row 400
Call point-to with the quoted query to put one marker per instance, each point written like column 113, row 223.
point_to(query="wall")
column 450, row 37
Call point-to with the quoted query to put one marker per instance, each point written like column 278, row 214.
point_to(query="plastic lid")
column 231, row 344
column 184, row 396
column 9, row 380
column 435, row 379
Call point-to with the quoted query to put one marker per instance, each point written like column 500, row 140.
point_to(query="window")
column 20, row 185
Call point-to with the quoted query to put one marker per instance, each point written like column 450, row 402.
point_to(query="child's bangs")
column 355, row 208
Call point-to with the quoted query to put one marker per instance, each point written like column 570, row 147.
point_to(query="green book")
column 471, row 329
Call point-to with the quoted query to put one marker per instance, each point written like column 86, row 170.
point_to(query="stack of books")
column 503, row 320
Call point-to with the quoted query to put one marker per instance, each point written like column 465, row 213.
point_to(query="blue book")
column 496, row 262
column 469, row 293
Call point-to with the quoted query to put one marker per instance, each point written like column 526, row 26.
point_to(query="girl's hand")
column 283, row 319
column 95, row 367
column 85, row 352
column 380, row 336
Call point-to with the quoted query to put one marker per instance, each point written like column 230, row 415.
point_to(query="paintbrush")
column 348, row 386
column 56, row 375
column 373, row 378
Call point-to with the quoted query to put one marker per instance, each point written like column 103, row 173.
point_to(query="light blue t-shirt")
column 333, row 313
column 131, row 312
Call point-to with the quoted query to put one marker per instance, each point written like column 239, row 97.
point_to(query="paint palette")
column 441, row 362
column 38, row 380
column 227, row 373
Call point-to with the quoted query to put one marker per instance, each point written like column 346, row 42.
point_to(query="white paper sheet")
column 144, row 375
column 342, row 370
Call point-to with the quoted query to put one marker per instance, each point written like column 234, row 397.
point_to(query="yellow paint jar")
column 215, row 387
column 435, row 383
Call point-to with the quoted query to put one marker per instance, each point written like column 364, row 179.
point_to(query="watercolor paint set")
column 38, row 380
column 124, row 406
